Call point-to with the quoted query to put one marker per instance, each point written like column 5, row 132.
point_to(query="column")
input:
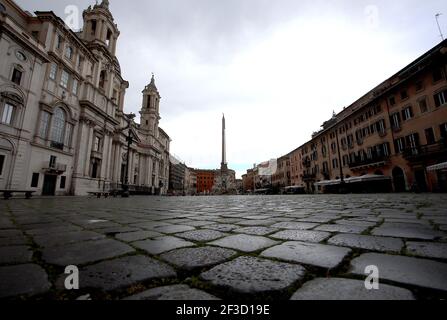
column 88, row 150
column 109, row 159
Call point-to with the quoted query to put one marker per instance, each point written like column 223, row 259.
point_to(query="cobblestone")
column 199, row 247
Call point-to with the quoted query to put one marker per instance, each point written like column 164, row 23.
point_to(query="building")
column 177, row 176
column 190, row 181
column 391, row 139
column 248, row 182
column 205, row 181
column 63, row 129
column 281, row 178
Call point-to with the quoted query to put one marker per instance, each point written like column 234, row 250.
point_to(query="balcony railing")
column 309, row 176
column 426, row 151
column 54, row 167
column 376, row 159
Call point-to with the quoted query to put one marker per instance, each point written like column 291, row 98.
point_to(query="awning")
column 365, row 178
column 437, row 167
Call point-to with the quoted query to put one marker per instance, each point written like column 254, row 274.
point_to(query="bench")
column 7, row 194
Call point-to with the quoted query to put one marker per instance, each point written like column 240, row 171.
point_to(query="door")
column 420, row 180
column 399, row 180
column 49, row 185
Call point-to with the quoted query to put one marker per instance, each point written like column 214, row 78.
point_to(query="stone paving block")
column 301, row 235
column 174, row 292
column 199, row 223
column 254, row 275
column 367, row 242
column 58, row 229
column 61, row 239
column 342, row 228
column 257, row 231
column 116, row 230
column 295, row 225
column 6, row 242
column 123, row 272
column 317, row 219
column 201, row 235
column 15, row 254
column 173, row 229
column 428, row 249
column 255, row 222
column 407, row 231
column 137, row 235
column 406, row 270
column 162, row 244
column 360, row 223
column 12, row 233
column 245, row 243
column 348, row 289
column 85, row 252
column 190, row 258
column 223, row 227
column 319, row 255
column 24, row 279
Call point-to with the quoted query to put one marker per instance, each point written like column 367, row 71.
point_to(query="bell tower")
column 99, row 26
column 150, row 115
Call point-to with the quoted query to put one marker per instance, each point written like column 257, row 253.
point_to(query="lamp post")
column 129, row 140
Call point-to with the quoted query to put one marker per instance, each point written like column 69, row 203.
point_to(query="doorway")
column 399, row 180
column 421, row 182
column 49, row 185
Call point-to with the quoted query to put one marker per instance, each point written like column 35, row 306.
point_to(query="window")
column 7, row 114
column 392, row 101
column 74, row 88
column 58, row 128
column 399, row 145
column 53, row 160
column 386, row 149
column 412, row 140
column 93, row 27
column 404, row 94
column 35, row 180
column 63, row 182
column 437, row 75
column 69, row 53
column 58, row 42
column 395, row 120
column 407, row 113
column 441, row 98
column 381, row 126
column 64, row 79
column 430, row 135
column 102, row 79
column 97, row 144
column 443, row 129
column 2, row 163
column 16, row 76
column 53, row 71
column 419, row 85
column 334, row 163
column 44, row 122
column 423, row 105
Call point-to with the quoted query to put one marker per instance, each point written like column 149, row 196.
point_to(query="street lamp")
column 129, row 140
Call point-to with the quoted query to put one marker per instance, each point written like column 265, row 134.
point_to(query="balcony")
column 306, row 163
column 431, row 151
column 396, row 128
column 55, row 168
column 374, row 161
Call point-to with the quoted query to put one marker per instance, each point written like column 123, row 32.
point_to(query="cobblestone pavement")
column 272, row 247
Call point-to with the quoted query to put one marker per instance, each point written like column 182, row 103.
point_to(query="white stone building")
column 62, row 121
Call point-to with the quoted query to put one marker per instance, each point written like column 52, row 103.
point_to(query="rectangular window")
column 7, row 114
column 64, row 79
column 58, row 42
column 404, row 95
column 443, row 129
column 407, row 113
column 423, row 105
column 395, row 120
column 44, row 122
column 440, row 98
column 53, row 71
column 63, row 182
column 334, row 163
column 430, row 135
column 74, row 88
column 35, row 180
column 69, row 53
column 392, row 101
column 97, row 144
column 419, row 85
column 399, row 145
column 53, row 160
column 2, row 163
column 16, row 76
column 437, row 75
column 386, row 149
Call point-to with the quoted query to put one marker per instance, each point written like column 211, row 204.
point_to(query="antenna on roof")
column 439, row 27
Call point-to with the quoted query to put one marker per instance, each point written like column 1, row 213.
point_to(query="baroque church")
column 63, row 127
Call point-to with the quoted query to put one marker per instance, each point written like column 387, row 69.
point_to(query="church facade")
column 63, row 127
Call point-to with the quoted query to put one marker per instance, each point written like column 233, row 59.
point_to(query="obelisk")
column 224, row 165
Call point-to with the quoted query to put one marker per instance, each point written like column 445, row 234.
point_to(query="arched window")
column 58, row 128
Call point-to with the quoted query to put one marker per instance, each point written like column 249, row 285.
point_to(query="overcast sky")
column 277, row 69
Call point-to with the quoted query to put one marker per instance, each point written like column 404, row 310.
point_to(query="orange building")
column 205, row 180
